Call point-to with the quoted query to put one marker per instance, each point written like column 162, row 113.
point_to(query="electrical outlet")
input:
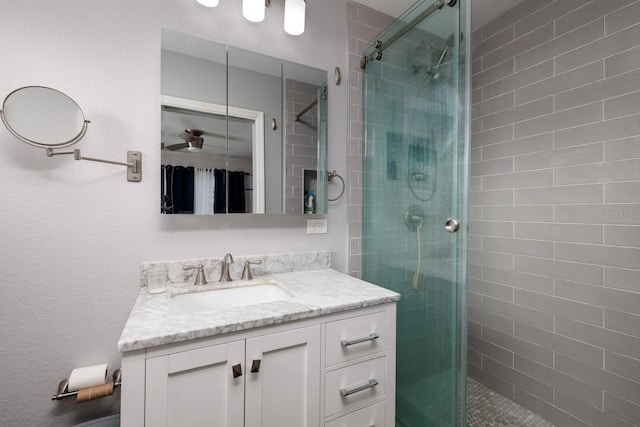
column 316, row 226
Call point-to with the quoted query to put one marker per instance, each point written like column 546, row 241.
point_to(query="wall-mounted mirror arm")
column 47, row 118
column 133, row 164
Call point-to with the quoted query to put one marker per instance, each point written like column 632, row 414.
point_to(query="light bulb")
column 208, row 3
column 294, row 15
column 253, row 10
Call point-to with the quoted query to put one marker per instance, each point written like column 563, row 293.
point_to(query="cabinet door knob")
column 255, row 366
column 237, row 370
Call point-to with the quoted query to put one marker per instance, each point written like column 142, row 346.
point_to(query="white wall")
column 74, row 233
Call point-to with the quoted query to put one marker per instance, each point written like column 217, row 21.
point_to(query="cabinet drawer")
column 351, row 338
column 355, row 384
column 373, row 416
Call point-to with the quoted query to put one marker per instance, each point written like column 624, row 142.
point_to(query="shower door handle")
column 452, row 225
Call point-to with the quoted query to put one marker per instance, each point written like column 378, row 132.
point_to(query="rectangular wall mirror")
column 242, row 132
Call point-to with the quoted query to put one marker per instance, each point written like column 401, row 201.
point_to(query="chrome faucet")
column 224, row 274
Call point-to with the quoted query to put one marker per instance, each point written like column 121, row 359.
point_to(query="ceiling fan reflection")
column 193, row 141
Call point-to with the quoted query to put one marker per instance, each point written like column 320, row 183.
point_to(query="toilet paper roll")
column 87, row 377
column 95, row 392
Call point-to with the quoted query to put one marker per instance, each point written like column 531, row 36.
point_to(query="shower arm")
column 381, row 46
column 444, row 52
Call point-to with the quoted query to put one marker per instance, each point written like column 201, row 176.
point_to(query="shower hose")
column 416, row 275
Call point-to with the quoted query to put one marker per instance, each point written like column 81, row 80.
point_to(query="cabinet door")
column 196, row 388
column 286, row 389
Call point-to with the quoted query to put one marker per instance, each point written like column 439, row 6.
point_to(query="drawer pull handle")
column 371, row 337
column 255, row 366
column 346, row 392
column 237, row 370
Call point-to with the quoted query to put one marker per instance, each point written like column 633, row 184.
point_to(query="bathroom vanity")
column 322, row 355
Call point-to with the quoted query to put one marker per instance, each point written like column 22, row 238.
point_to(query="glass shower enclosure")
column 415, row 202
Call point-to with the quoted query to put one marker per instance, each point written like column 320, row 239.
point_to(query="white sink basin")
column 220, row 299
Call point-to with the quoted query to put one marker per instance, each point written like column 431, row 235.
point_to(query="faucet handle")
column 246, row 273
column 200, row 279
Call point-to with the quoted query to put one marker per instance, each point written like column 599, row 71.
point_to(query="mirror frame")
column 62, row 144
column 256, row 117
column 292, row 186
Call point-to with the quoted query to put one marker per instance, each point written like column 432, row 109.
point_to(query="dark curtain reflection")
column 177, row 189
column 220, row 191
column 236, row 192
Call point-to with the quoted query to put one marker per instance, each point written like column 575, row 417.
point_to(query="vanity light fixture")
column 294, row 16
column 208, row 3
column 254, row 11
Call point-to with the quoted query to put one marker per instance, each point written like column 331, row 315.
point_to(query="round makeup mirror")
column 43, row 117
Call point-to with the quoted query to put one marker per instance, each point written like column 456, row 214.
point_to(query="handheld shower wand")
column 414, row 218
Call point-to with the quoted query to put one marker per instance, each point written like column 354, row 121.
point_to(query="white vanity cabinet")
column 194, row 388
column 285, row 391
column 305, row 373
column 359, row 370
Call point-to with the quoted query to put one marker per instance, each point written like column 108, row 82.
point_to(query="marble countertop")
column 315, row 293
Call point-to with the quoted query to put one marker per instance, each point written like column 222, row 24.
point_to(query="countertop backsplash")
column 271, row 264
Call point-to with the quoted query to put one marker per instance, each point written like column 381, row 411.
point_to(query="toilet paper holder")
column 63, row 387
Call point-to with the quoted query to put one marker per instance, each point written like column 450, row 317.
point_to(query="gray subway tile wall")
column 302, row 143
column 364, row 24
column 625, row 61
column 560, row 82
column 554, row 302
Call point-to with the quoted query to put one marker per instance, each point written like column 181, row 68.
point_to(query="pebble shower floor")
column 486, row 408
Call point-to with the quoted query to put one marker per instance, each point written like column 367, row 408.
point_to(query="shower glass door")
column 415, row 183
